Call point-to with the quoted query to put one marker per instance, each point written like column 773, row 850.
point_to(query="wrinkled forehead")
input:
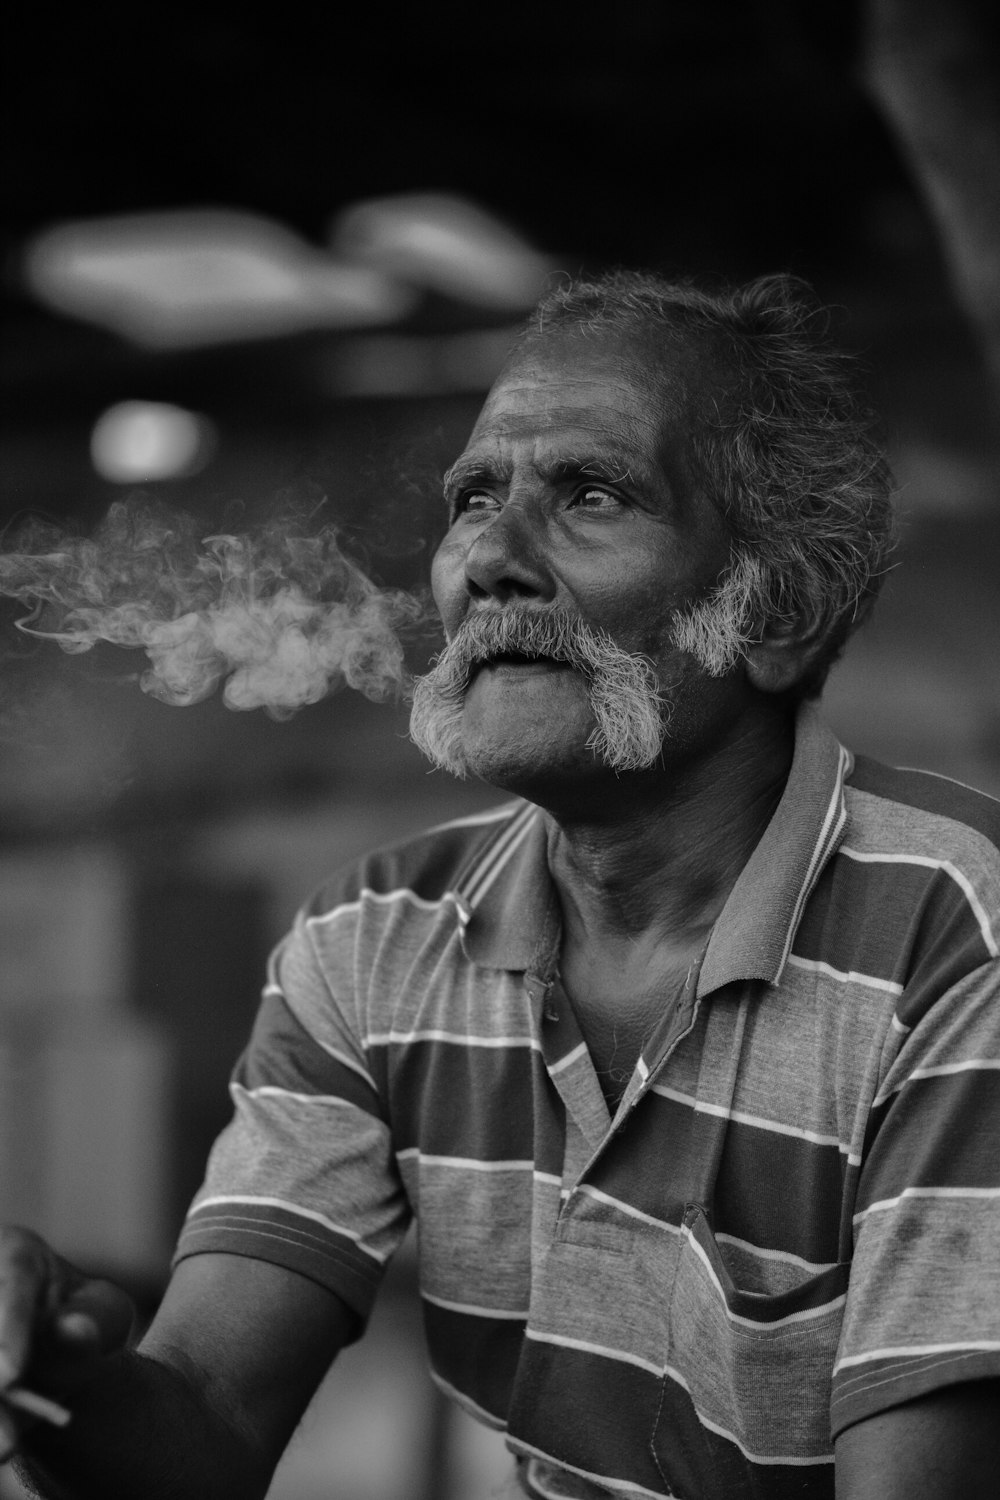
column 638, row 388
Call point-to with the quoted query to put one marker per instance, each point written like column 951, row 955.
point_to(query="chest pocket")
column 757, row 1370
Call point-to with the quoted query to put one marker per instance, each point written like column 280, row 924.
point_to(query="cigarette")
column 35, row 1405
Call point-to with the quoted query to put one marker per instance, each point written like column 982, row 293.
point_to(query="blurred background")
column 259, row 258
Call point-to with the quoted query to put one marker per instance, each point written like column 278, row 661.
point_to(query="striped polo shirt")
column 791, row 1222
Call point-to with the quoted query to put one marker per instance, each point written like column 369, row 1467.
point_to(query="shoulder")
column 427, row 867
column 917, row 819
column 920, row 806
column 920, row 862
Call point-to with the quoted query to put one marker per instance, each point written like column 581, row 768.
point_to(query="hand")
column 56, row 1327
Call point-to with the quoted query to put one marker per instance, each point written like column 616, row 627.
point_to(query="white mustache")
column 629, row 707
column 555, row 634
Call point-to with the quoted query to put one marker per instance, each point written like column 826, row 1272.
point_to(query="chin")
column 539, row 773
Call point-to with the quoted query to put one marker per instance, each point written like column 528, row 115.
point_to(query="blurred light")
column 137, row 441
column 446, row 244
column 186, row 278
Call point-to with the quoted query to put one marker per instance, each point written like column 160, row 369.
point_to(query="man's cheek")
column 448, row 584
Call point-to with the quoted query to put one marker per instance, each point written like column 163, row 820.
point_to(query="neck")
column 655, row 863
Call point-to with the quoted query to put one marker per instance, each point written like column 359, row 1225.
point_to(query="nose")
column 506, row 560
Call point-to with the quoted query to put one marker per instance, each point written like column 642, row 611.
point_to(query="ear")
column 785, row 652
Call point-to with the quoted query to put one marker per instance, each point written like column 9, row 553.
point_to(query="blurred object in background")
column 187, row 278
column 933, row 67
column 134, row 442
column 447, row 244
column 202, row 276
column 83, row 1127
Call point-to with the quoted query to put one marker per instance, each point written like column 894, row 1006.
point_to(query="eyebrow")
column 611, row 468
column 469, row 471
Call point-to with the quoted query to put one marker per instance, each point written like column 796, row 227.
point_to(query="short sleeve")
column 923, row 1308
column 304, row 1176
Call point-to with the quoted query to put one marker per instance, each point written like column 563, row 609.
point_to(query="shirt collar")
column 506, row 897
column 510, row 911
column 755, row 929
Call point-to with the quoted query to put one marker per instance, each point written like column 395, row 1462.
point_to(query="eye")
column 594, row 497
column 473, row 502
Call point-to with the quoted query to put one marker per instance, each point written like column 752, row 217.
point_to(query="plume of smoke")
column 280, row 615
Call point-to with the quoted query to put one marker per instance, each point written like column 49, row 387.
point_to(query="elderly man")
column 685, row 1060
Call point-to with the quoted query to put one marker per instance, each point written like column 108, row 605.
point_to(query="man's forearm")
column 141, row 1431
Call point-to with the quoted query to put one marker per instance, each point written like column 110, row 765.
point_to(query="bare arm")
column 939, row 1446
column 203, row 1410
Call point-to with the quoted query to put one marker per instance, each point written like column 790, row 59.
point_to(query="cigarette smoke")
column 279, row 615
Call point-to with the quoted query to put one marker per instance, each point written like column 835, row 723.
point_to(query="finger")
column 8, row 1434
column 96, row 1310
column 22, row 1279
column 42, row 1407
column 76, row 1328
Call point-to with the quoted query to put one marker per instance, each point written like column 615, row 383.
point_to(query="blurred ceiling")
column 714, row 136
column 722, row 135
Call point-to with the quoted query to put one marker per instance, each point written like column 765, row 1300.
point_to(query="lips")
column 516, row 659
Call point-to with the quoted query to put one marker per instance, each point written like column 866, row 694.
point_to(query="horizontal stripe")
column 842, row 976
column 297, row 1212
column 785, row 1460
column 811, row 1267
column 772, row 1189
column 583, row 1346
column 453, row 1039
column 717, row 1462
column 552, row 1178
column 516, row 1314
column 759, row 1122
column 455, row 1101
column 464, row 1163
column 889, row 918
column 941, row 1070
column 928, row 1192
column 592, row 1414
column 935, row 1131
column 612, row 1443
column 283, row 1053
column 569, row 1059
column 891, row 1382
column 586, row 1190
column 915, row 1351
column 475, row 1355
column 368, row 896
column 945, row 865
column 309, row 1244
column 782, row 1192
column 803, row 1315
column 268, row 1091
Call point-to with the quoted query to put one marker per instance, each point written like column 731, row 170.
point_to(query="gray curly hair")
column 786, row 453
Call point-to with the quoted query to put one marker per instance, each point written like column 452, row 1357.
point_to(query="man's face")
column 574, row 494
